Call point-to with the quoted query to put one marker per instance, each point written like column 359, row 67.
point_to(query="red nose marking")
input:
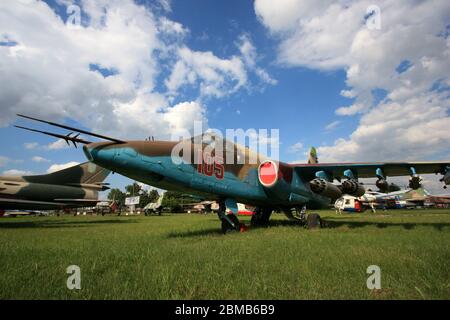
column 268, row 173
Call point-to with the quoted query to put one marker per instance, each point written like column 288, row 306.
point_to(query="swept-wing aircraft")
column 76, row 186
column 192, row 166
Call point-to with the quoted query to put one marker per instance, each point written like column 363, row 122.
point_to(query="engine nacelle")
column 272, row 179
column 352, row 187
column 325, row 188
column 268, row 173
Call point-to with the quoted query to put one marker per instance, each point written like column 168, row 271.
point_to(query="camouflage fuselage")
column 151, row 162
column 77, row 186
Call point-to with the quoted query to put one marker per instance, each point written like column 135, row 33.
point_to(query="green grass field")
column 186, row 257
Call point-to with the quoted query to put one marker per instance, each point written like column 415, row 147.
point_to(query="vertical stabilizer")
column 312, row 158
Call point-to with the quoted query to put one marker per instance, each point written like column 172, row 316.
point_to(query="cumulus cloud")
column 296, row 148
column 104, row 73
column 332, row 125
column 15, row 172
column 30, row 145
column 57, row 167
column 39, row 159
column 214, row 76
column 408, row 58
column 352, row 110
column 57, row 145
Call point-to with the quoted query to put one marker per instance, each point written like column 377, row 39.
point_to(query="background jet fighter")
column 77, row 186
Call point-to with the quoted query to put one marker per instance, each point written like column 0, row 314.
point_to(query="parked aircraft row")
column 372, row 200
column 265, row 184
column 77, row 186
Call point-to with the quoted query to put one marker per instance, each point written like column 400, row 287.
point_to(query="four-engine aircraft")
column 73, row 187
column 197, row 168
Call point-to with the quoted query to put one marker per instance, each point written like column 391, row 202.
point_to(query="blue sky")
column 333, row 94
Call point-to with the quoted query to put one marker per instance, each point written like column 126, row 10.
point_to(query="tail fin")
column 312, row 159
column 84, row 173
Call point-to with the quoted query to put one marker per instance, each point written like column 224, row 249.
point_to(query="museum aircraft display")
column 197, row 168
column 73, row 187
column 407, row 198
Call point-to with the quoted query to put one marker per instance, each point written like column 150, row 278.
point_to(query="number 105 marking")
column 209, row 165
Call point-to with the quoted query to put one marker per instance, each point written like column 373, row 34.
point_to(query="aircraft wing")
column 368, row 170
column 9, row 203
column 78, row 200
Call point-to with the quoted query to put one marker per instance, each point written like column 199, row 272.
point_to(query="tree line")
column 173, row 200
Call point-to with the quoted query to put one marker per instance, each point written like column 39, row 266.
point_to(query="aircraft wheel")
column 261, row 217
column 313, row 221
column 226, row 227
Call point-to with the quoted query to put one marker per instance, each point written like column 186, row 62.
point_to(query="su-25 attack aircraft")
column 73, row 187
column 265, row 184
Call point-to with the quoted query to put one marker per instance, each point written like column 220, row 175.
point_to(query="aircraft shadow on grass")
column 381, row 225
column 195, row 233
column 327, row 224
column 57, row 224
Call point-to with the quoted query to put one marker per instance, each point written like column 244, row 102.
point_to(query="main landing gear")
column 261, row 216
column 230, row 222
column 310, row 221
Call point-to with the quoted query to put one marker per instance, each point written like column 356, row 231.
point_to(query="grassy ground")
column 185, row 257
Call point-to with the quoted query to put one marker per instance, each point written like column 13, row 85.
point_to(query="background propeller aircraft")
column 77, row 186
column 266, row 184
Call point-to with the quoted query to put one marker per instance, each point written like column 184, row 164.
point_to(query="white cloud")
column 103, row 73
column 214, row 76
column 15, row 172
column 250, row 57
column 410, row 122
column 348, row 93
column 39, row 159
column 30, row 145
column 57, row 167
column 296, row 148
column 351, row 110
column 183, row 115
column 332, row 125
column 57, row 145
column 166, row 5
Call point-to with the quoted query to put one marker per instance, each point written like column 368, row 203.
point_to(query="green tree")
column 132, row 190
column 153, row 195
column 147, row 197
column 117, row 195
column 175, row 201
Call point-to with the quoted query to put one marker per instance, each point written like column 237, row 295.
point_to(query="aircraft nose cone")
column 101, row 153
column 87, row 153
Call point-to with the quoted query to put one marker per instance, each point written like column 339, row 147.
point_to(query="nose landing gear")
column 230, row 222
